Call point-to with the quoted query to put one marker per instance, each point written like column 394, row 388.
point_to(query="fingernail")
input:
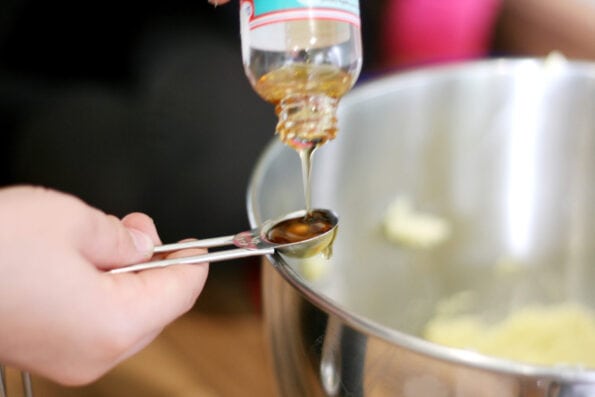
column 215, row 3
column 142, row 241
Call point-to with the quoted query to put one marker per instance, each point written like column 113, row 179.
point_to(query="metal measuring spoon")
column 259, row 241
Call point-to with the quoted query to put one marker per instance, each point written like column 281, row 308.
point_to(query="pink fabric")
column 423, row 31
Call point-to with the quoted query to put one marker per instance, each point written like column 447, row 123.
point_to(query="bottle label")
column 264, row 12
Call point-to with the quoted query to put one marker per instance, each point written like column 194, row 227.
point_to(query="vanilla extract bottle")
column 302, row 56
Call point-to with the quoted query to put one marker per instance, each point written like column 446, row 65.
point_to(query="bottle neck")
column 307, row 120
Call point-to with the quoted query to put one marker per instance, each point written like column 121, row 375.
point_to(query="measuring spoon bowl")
column 300, row 233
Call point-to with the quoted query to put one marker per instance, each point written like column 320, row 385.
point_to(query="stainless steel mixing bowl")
column 502, row 149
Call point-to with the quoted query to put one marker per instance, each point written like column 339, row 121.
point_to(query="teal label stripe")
column 266, row 6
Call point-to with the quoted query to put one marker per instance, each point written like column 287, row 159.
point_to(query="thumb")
column 107, row 242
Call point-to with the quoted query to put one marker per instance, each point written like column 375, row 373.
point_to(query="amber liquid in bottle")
column 305, row 98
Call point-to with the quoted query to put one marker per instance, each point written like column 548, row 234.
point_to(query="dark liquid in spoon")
column 299, row 229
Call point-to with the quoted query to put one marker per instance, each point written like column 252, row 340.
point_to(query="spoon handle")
column 205, row 243
column 188, row 260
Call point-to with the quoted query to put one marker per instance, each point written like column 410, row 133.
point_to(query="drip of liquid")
column 307, row 156
column 306, row 98
column 327, row 253
column 299, row 229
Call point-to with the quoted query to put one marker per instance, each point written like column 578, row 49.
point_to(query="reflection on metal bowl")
column 504, row 150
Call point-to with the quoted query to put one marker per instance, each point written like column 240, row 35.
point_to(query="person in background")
column 420, row 32
column 414, row 33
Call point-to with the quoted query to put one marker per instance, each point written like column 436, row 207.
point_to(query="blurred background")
column 145, row 107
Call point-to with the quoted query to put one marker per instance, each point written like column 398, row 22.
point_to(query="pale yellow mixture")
column 562, row 334
column 409, row 227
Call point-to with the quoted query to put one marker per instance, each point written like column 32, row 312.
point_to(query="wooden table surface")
column 217, row 349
